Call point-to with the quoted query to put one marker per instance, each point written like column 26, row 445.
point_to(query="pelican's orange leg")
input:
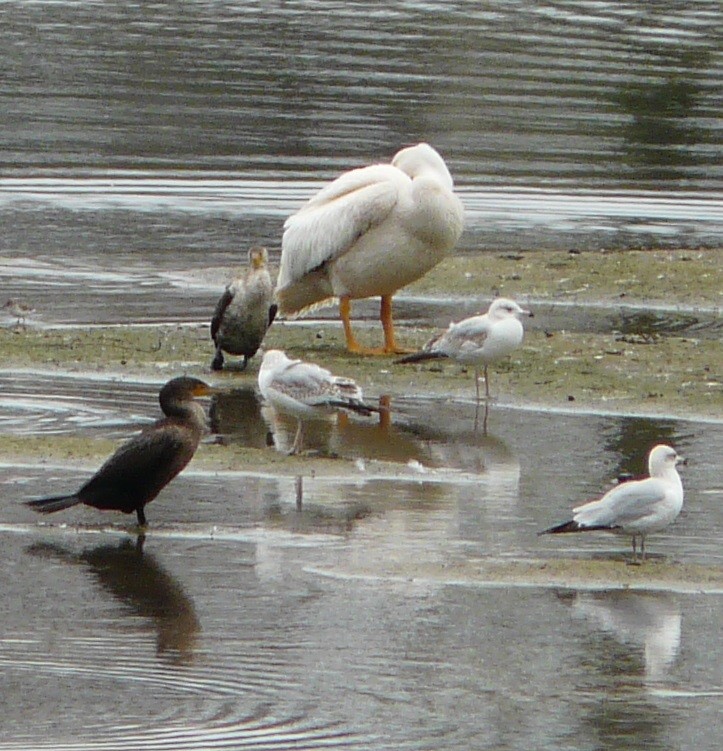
column 385, row 314
column 385, row 411
column 352, row 343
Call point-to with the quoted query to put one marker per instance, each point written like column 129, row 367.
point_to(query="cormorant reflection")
column 136, row 579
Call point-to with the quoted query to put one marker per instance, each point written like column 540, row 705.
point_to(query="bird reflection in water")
column 650, row 621
column 235, row 417
column 141, row 584
column 339, row 434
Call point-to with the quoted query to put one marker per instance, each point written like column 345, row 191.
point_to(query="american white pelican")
column 638, row 507
column 244, row 312
column 306, row 391
column 371, row 231
column 479, row 340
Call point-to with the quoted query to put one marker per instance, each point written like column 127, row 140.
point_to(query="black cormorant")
column 137, row 472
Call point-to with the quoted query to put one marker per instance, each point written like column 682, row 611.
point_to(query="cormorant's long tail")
column 58, row 503
column 572, row 526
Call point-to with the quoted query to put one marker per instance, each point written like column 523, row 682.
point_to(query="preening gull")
column 306, row 391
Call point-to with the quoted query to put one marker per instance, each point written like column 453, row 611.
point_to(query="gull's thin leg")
column 299, row 486
column 484, row 419
column 476, row 384
column 298, row 438
column 487, row 384
column 642, row 547
column 635, row 549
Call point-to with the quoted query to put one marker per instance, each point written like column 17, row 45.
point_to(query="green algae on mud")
column 103, row 348
column 670, row 277
column 670, row 375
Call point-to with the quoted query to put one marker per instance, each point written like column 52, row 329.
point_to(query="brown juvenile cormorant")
column 137, row 472
column 244, row 312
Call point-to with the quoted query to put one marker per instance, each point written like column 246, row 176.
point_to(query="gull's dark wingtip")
column 420, row 357
column 570, row 526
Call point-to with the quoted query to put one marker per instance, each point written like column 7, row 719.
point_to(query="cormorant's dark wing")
column 221, row 306
column 273, row 310
column 141, row 468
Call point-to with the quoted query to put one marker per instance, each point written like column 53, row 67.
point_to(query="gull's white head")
column 503, row 307
column 662, row 459
column 423, row 159
column 274, row 358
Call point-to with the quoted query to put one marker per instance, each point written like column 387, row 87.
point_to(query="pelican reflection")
column 140, row 583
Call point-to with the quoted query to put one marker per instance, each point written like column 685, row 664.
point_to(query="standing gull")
column 479, row 340
column 244, row 312
column 636, row 508
column 137, row 472
column 306, row 391
column 370, row 232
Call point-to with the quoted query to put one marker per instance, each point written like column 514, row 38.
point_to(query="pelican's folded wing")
column 334, row 219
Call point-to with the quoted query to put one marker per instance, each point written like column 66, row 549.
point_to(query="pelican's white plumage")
column 306, row 390
column 369, row 232
column 478, row 340
column 638, row 507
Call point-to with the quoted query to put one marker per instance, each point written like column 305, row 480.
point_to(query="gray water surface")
column 564, row 123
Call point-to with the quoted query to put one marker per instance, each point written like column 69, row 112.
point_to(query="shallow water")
column 246, row 621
